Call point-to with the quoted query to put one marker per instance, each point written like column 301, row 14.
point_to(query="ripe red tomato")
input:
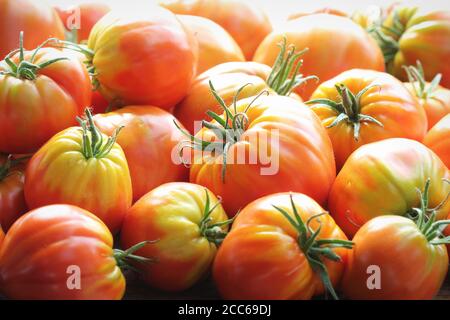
column 143, row 56
column 47, row 99
column 336, row 44
column 438, row 139
column 277, row 145
column 82, row 18
column 245, row 22
column 363, row 106
column 12, row 201
column 66, row 241
column 149, row 140
column 187, row 223
column 215, row 44
column 82, row 167
column 265, row 256
column 408, row 261
column 382, row 178
column 35, row 18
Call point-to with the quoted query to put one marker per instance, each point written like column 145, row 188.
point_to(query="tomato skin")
column 260, row 258
column 403, row 246
column 309, row 169
column 437, row 106
column 52, row 101
column 227, row 79
column 89, row 14
column 121, row 39
column 326, row 10
column 335, row 43
column 171, row 214
column 216, row 46
column 148, row 139
column 37, row 20
column 438, row 139
column 60, row 173
column 246, row 23
column 388, row 102
column 382, row 178
column 62, row 236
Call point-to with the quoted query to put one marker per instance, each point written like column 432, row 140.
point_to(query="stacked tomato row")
column 214, row 143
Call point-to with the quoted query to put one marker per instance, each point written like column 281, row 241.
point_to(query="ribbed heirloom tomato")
column 61, row 252
column 245, row 22
column 148, row 139
column 41, row 93
column 281, row 247
column 187, row 224
column 335, row 44
column 82, row 167
column 141, row 56
column 35, row 18
column 12, row 200
column 215, row 45
column 382, row 178
column 259, row 146
column 362, row 106
column 438, row 140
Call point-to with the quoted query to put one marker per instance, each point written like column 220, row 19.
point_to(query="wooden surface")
column 205, row 290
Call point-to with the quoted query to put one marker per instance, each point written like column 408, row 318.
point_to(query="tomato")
column 335, row 44
column 50, row 96
column 412, row 34
column 82, row 18
column 141, row 56
column 409, row 261
column 66, row 242
column 82, row 167
column 36, row 19
column 382, row 178
column 245, row 22
column 273, row 144
column 433, row 98
column 148, row 139
column 326, row 10
column 12, row 201
column 438, row 139
column 99, row 104
column 362, row 106
column 187, row 223
column 249, row 78
column 265, row 255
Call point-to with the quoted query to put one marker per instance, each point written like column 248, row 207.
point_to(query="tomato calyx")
column 425, row 218
column 93, row 145
column 279, row 78
column 348, row 109
column 227, row 128
column 10, row 162
column 25, row 69
column 213, row 232
column 416, row 78
column 315, row 249
column 125, row 258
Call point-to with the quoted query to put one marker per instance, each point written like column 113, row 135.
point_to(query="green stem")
column 416, row 78
column 126, row 258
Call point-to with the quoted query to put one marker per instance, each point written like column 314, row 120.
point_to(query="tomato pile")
column 192, row 140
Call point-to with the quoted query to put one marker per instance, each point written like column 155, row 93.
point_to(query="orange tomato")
column 265, row 255
column 148, row 139
column 216, row 46
column 83, row 167
column 326, row 10
column 187, row 223
column 382, row 178
column 438, row 139
column 278, row 145
column 65, row 241
column 245, row 22
column 143, row 56
column 372, row 106
column 35, row 18
column 335, row 44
